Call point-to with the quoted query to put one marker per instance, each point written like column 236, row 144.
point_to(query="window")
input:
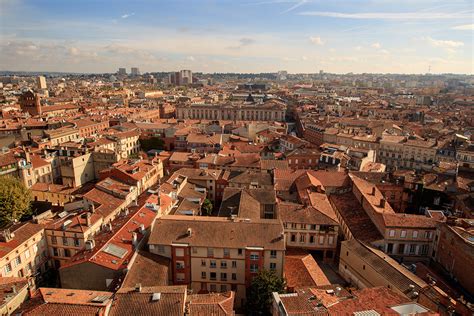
column 223, row 288
column 27, row 253
column 253, row 267
column 65, row 242
column 195, row 250
column 179, row 252
column 311, row 239
column 54, row 240
column 424, row 250
column 273, row 254
column 321, row 240
column 67, row 253
column 239, row 251
column 8, row 268
column 203, row 263
column 210, row 252
column 293, row 237
column 223, row 264
column 428, row 235
column 253, row 256
column 179, row 264
column 223, row 276
column 226, row 252
column 234, row 264
column 392, row 233
column 403, row 234
column 213, row 264
column 415, row 234
column 203, row 274
column 330, row 240
column 234, row 276
column 401, row 248
column 302, row 238
column 412, row 249
column 389, row 248
column 77, row 242
column 213, row 288
column 212, row 276
column 17, row 261
column 161, row 249
column 179, row 276
column 55, row 252
column 273, row 266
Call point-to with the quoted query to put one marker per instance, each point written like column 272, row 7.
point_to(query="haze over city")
column 301, row 36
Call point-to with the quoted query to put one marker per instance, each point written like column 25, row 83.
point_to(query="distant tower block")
column 41, row 83
column 135, row 71
column 122, row 71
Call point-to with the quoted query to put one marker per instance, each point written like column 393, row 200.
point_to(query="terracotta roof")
column 378, row 299
column 359, row 223
column 23, row 232
column 215, row 304
column 171, row 302
column 301, row 270
column 218, row 232
column 149, row 270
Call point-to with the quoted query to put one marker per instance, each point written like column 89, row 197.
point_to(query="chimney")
column 382, row 203
column 373, row 191
column 88, row 219
column 189, row 232
column 138, row 287
column 134, row 239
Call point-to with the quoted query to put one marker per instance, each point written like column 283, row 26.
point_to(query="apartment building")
column 67, row 234
column 126, row 142
column 23, row 251
column 62, row 135
column 77, row 170
column 309, row 228
column 272, row 110
column 215, row 254
column 406, row 237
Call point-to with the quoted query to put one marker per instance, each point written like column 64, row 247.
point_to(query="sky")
column 300, row 36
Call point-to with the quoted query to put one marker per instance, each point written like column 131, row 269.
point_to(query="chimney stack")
column 88, row 219
column 134, row 239
column 382, row 203
column 373, row 191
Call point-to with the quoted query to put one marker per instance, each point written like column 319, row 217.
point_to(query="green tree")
column 259, row 297
column 15, row 200
column 207, row 207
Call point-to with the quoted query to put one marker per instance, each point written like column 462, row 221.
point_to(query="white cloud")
column 389, row 15
column 127, row 15
column 444, row 43
column 316, row 40
column 376, row 45
column 296, row 5
column 465, row 27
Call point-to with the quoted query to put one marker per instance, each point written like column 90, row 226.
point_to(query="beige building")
column 272, row 110
column 67, row 234
column 63, row 135
column 23, row 251
column 309, row 228
column 217, row 254
column 14, row 293
column 365, row 267
column 77, row 170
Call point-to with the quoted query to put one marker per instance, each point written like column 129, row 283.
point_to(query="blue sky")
column 382, row 36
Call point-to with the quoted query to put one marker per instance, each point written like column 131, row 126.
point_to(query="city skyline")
column 242, row 36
